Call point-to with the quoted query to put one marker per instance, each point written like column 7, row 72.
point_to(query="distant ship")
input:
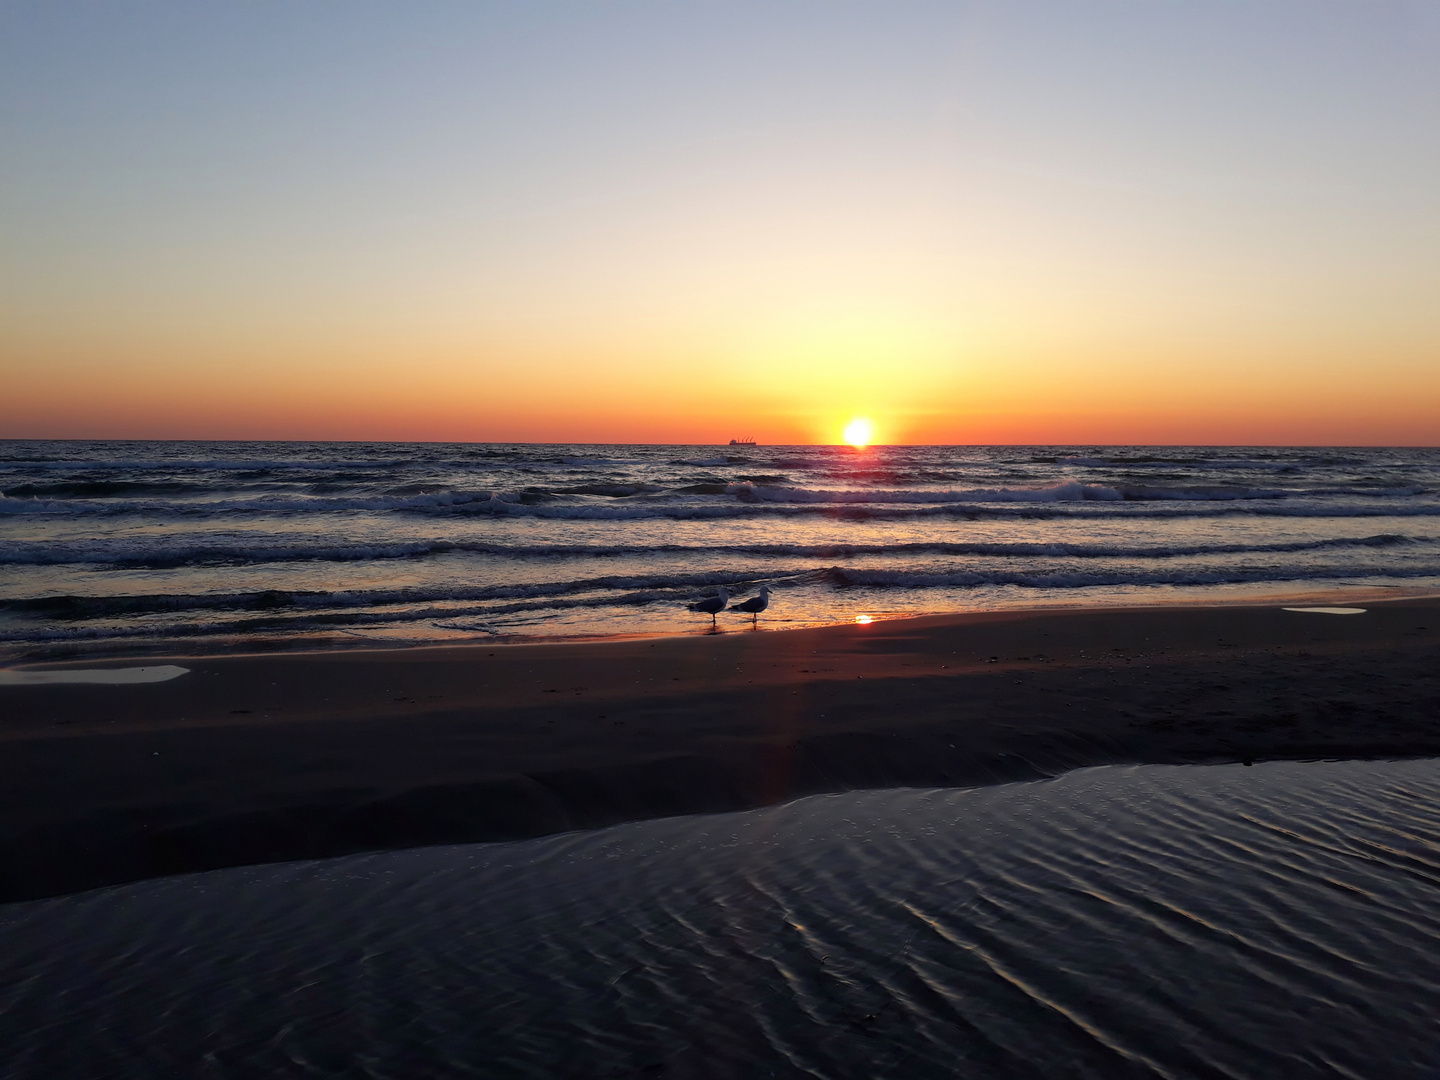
column 747, row 441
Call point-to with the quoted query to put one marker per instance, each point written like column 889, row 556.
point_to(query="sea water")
column 1149, row 921
column 192, row 544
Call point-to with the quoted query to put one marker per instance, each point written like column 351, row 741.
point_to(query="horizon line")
column 720, row 445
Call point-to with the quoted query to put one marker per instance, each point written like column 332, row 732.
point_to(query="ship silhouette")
column 747, row 441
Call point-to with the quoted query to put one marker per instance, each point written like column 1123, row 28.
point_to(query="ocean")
column 1151, row 921
column 198, row 545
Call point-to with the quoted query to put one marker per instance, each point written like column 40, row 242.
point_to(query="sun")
column 859, row 432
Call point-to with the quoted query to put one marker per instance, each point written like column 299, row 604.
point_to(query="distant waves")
column 750, row 500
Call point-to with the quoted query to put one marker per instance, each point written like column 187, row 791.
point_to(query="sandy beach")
column 258, row 758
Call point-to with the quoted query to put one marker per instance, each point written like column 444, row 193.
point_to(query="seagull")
column 709, row 605
column 755, row 604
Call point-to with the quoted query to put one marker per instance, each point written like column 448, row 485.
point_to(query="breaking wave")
column 151, row 556
column 746, row 500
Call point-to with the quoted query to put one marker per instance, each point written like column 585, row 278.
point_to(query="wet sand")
column 259, row 758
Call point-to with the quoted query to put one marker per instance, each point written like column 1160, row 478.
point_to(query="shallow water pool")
column 1161, row 921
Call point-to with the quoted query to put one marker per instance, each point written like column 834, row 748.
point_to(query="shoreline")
column 270, row 756
column 15, row 655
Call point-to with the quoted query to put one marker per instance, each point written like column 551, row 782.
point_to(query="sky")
column 1150, row 221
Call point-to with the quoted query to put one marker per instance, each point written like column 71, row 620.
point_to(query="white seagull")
column 755, row 604
column 709, row 605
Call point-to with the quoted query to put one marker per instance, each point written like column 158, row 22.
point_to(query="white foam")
column 104, row 676
column 1330, row 610
column 1066, row 491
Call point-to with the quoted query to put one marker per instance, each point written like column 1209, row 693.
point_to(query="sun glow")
column 859, row 432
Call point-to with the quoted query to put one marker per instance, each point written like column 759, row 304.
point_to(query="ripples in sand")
column 1149, row 921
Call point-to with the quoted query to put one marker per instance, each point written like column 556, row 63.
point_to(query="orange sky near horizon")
column 786, row 388
column 435, row 403
column 1121, row 225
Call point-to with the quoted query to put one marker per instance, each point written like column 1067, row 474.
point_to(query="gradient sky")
column 1145, row 221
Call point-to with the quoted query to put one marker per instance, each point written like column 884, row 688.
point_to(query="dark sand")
column 261, row 758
